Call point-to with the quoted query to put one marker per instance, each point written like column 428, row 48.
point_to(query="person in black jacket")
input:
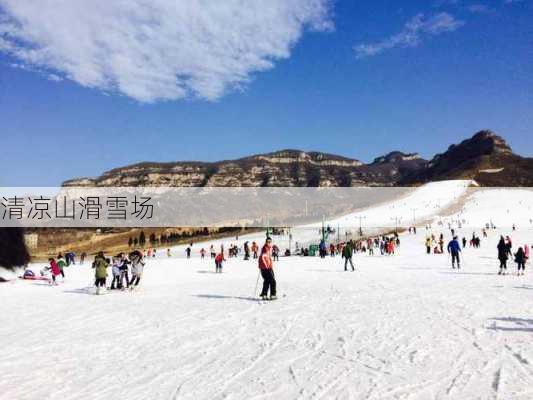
column 503, row 252
column 520, row 259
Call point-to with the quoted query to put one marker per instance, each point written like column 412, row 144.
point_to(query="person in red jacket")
column 267, row 272
column 54, row 269
column 219, row 259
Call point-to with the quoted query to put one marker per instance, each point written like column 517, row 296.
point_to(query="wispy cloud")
column 152, row 50
column 479, row 8
column 412, row 34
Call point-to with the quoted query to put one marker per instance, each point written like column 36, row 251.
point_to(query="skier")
column 267, row 272
column 454, row 249
column 502, row 255
column 347, row 253
column 137, row 266
column 219, row 259
column 212, row 250
column 188, row 251
column 520, row 259
column 100, row 265
column 169, row 254
column 202, row 253
column 464, row 242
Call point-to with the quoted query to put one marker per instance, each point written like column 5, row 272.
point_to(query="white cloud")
column 412, row 34
column 153, row 50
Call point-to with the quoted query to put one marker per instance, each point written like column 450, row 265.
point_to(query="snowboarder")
column 100, row 265
column 454, row 249
column 267, row 272
column 502, row 255
column 347, row 253
column 520, row 259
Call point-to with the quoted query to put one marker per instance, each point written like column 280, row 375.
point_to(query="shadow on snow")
column 512, row 324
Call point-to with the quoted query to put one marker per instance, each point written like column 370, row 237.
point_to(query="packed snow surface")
column 404, row 326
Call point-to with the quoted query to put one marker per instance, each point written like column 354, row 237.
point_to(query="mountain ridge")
column 485, row 157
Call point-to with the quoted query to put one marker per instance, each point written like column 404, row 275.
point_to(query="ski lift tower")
column 267, row 227
column 361, row 218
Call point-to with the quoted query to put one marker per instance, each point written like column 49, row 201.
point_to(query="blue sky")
column 358, row 79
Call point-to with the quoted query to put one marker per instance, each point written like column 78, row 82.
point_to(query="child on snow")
column 520, row 259
column 54, row 269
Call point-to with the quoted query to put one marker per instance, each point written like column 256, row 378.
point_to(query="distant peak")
column 484, row 142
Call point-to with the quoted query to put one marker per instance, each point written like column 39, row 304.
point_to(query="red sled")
column 35, row 278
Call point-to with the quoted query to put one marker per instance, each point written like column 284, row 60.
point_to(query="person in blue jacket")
column 454, row 248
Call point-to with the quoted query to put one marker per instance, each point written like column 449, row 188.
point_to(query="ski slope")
column 400, row 327
column 501, row 207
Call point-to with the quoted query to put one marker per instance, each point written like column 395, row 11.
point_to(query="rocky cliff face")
column 485, row 157
column 284, row 168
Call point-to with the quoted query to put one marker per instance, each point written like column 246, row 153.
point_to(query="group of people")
column 121, row 265
column 505, row 251
column 504, row 247
column 127, row 269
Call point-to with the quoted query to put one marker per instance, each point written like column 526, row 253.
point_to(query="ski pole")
column 256, row 283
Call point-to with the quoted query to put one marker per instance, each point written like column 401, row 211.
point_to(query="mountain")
column 485, row 157
column 283, row 168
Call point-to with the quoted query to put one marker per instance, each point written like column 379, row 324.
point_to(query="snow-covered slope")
column 401, row 327
column 501, row 207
